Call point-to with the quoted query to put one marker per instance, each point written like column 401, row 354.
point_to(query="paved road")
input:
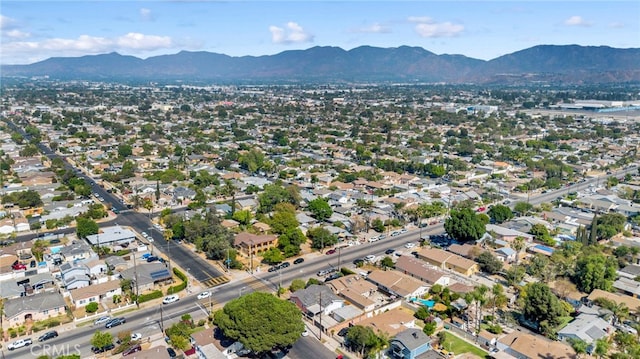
column 303, row 348
column 200, row 269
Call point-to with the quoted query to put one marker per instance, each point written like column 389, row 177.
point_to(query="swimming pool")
column 427, row 303
column 55, row 250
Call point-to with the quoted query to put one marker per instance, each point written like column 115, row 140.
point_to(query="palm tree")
column 602, row 347
column 518, row 245
column 498, row 298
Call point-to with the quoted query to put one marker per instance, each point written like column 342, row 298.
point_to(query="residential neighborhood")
column 393, row 221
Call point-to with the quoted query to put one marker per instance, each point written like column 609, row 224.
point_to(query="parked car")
column 331, row 251
column 18, row 266
column 409, row 245
column 343, row 332
column 48, row 335
column 203, row 295
column 20, row 343
column 389, row 251
column 284, row 265
column 152, row 259
column 370, row 258
column 298, row 260
column 136, row 336
column 101, row 320
column 115, row 322
column 103, row 349
column 358, row 261
column 172, row 353
column 305, row 333
column 170, row 299
column 131, row 350
column 273, row 268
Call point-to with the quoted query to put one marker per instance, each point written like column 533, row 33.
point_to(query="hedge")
column 180, row 287
column 149, row 296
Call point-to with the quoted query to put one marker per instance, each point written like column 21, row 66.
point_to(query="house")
column 112, row 236
column 505, row 254
column 506, row 234
column 390, row 322
column 630, row 271
column 147, row 275
column 316, row 299
column 632, row 303
column 397, row 283
column 77, row 250
column 529, row 346
column 355, row 290
column 203, row 342
column 588, row 327
column 445, row 260
column 157, row 352
column 82, row 296
column 627, row 286
column 422, row 271
column 250, row 244
column 409, row 344
column 75, row 275
column 36, row 307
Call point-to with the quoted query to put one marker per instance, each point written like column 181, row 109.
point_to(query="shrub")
column 177, row 288
column 201, row 322
column 495, row 329
column 346, row 271
column 149, row 296
column 91, row 307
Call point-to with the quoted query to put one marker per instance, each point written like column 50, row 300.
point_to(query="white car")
column 101, row 320
column 136, row 336
column 305, row 333
column 144, row 234
column 170, row 299
column 204, row 295
column 20, row 343
column 370, row 258
column 409, row 245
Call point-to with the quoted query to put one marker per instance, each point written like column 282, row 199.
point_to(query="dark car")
column 131, row 350
column 358, row 261
column 152, row 259
column 298, row 261
column 333, row 276
column 343, row 332
column 331, row 251
column 115, row 322
column 284, row 265
column 273, row 268
column 389, row 251
column 172, row 353
column 48, row 335
column 103, row 349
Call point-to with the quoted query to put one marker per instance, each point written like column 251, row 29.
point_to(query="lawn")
column 458, row 346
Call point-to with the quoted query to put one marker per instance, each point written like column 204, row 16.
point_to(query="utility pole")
column 251, row 257
column 161, row 320
column 320, row 337
column 339, row 256
column 135, row 275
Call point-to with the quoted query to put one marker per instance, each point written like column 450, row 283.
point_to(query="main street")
column 147, row 320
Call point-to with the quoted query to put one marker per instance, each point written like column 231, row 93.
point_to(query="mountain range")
column 546, row 64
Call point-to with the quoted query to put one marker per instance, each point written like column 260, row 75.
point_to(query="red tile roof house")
column 251, row 244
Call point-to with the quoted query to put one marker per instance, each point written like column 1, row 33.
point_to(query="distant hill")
column 568, row 64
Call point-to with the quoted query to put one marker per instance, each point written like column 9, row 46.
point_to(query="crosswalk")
column 216, row 281
column 257, row 285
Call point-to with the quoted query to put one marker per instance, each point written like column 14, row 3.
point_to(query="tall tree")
column 500, row 213
column 465, row 225
column 320, row 208
column 518, row 245
column 595, row 271
column 260, row 321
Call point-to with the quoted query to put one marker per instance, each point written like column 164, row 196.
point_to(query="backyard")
column 457, row 345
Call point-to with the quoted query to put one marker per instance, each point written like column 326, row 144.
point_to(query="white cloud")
column 7, row 23
column 293, row 33
column 373, row 29
column 16, row 34
column 131, row 43
column 617, row 25
column 445, row 29
column 146, row 15
column 577, row 21
column 427, row 27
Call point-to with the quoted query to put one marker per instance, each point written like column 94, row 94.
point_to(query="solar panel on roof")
column 159, row 274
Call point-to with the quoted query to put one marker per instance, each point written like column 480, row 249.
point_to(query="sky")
column 32, row 31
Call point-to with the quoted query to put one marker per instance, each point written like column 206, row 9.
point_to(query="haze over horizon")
column 36, row 30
